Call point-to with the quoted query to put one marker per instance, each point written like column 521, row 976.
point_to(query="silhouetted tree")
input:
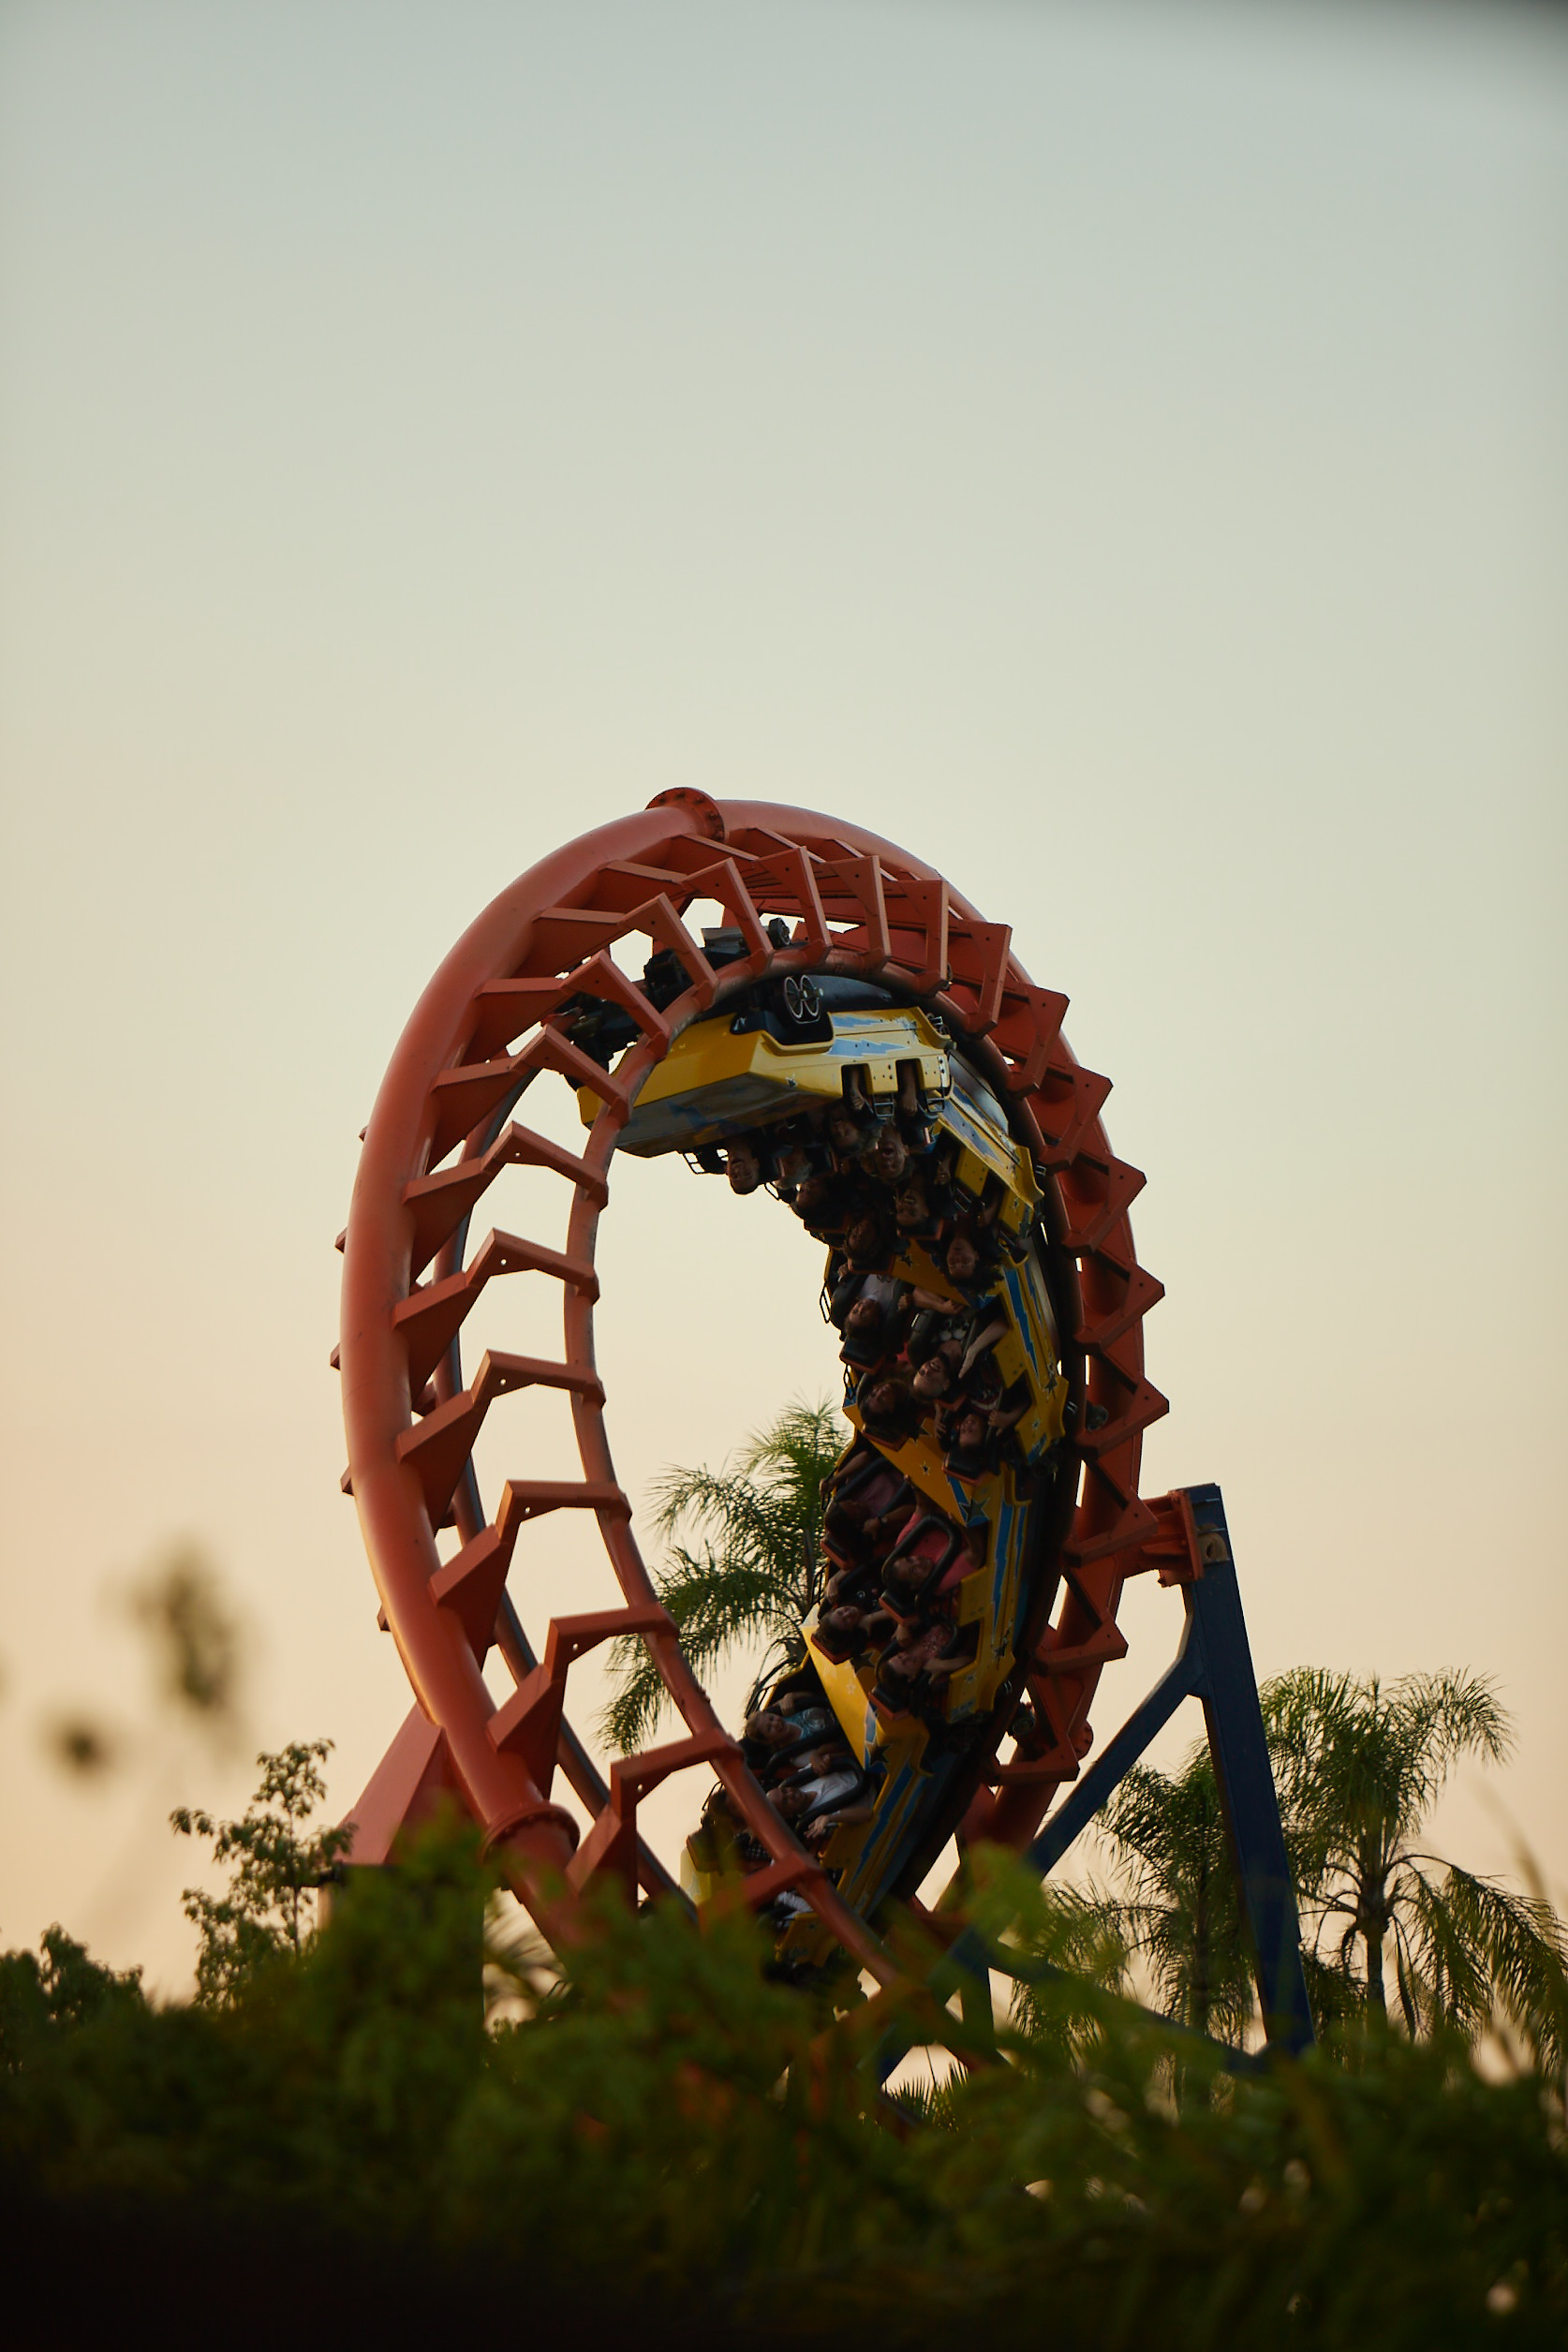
column 759, row 1521
column 1359, row 1765
column 277, row 1868
column 1175, row 1901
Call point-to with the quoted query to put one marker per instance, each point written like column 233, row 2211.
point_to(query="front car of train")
column 866, row 1116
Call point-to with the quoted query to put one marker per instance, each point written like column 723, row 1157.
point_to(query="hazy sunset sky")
column 1119, row 451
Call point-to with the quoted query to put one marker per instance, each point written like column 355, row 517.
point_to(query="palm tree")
column 1071, row 1948
column 1359, row 1766
column 1179, row 1910
column 759, row 1520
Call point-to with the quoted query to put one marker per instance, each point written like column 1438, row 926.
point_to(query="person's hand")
column 995, row 1330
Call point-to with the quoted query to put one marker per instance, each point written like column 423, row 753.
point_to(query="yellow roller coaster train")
column 864, row 1115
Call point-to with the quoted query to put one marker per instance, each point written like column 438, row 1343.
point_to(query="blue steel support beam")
column 1213, row 1663
column 1229, row 1691
column 1181, row 1681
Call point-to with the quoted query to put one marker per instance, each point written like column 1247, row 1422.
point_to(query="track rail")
column 442, row 1130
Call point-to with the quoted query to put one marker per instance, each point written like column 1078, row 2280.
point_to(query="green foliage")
column 1064, row 1950
column 658, row 2127
column 665, row 2122
column 1181, row 1913
column 676, row 2106
column 1398, row 2201
column 61, row 1988
column 276, row 1871
column 758, row 1521
column 1359, row 1766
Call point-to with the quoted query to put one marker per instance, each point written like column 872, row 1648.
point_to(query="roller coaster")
column 854, row 1040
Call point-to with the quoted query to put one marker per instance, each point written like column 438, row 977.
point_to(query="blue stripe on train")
column 1023, row 1313
column 1009, row 1518
column 872, row 1872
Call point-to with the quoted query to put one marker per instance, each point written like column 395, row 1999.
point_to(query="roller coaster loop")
column 846, row 996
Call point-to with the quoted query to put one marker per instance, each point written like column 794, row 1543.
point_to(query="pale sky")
column 1119, row 451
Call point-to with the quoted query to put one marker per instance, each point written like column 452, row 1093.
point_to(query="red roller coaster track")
column 441, row 1130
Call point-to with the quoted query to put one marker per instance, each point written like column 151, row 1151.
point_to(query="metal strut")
column 1213, row 1663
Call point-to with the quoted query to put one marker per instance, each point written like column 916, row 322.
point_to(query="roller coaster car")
column 737, row 1072
column 964, row 1558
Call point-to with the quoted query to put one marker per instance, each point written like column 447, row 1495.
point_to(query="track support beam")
column 1213, row 1664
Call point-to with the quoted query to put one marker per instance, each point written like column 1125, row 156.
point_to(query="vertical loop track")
column 490, row 1024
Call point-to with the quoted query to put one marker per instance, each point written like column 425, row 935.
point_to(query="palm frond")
column 1440, row 1719
column 756, row 1523
column 717, row 1604
column 1332, row 1991
column 1499, row 1951
column 714, row 1503
column 930, row 2105
column 1358, row 1765
column 1180, row 1913
column 805, row 1442
column 1070, row 1949
column 626, row 1721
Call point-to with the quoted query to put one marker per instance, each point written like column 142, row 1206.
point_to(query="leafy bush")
column 277, row 1867
column 663, row 2128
